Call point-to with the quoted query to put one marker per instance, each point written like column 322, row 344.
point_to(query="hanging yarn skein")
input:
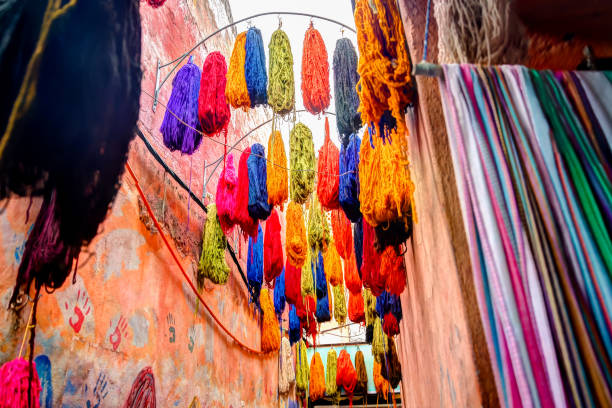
column 286, row 372
column 379, row 341
column 259, row 209
column 315, row 72
column 393, row 262
column 381, row 385
column 212, row 260
column 321, row 279
column 255, row 262
column 227, row 189
column 328, row 179
column 255, row 68
column 302, row 163
column 281, row 86
column 15, row 382
column 293, row 283
column 270, row 332
column 317, row 378
column 278, row 178
column 183, row 103
column 323, row 313
column 295, row 329
column 346, row 375
column 279, row 294
column 213, row 110
column 331, row 387
column 371, row 262
column 343, row 236
column 273, row 248
column 142, row 393
column 351, row 277
column 317, row 225
column 339, row 304
column 393, row 370
column 333, row 266
column 236, row 91
column 242, row 215
column 356, row 310
column 295, row 239
column 302, row 371
column 308, row 270
column 348, row 190
column 358, row 244
column 362, row 374
column 348, row 118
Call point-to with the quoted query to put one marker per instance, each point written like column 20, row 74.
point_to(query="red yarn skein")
column 393, row 261
column 293, row 284
column 213, row 109
column 356, row 308
column 370, row 268
column 328, row 166
column 346, row 376
column 273, row 248
column 351, row 276
column 343, row 234
column 390, row 325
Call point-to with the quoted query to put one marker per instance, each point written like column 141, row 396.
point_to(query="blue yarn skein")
column 387, row 302
column 323, row 314
column 320, row 277
column 259, row 209
column 279, row 294
column 358, row 244
column 346, row 77
column 294, row 325
column 348, row 189
column 255, row 68
column 255, row 262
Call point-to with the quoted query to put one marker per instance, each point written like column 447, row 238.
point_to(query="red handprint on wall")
column 80, row 309
column 119, row 333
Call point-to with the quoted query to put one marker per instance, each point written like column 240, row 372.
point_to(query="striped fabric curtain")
column 532, row 153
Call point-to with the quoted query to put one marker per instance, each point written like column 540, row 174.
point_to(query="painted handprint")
column 98, row 393
column 192, row 335
column 119, row 333
column 171, row 329
column 80, row 309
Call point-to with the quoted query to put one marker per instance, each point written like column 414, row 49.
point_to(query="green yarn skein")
column 281, row 83
column 212, row 260
column 331, row 388
column 302, row 162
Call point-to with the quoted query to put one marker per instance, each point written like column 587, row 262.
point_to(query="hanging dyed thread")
column 333, row 266
column 321, row 279
column 348, row 190
column 308, row 270
column 346, row 375
column 369, row 302
column 183, row 103
column 381, row 385
column 371, row 262
column 259, row 209
column 255, row 68
column 362, row 374
column 302, row 372
column 142, row 393
column 236, row 91
column 318, row 238
column 293, row 283
column 286, row 374
column 317, row 378
column 343, row 237
column 331, row 388
column 309, row 322
column 270, row 332
column 255, row 262
column 323, row 314
column 242, row 216
column 358, row 244
column 279, row 294
column 339, row 304
column 281, row 88
column 348, row 118
column 156, row 3
column 315, row 72
column 379, row 341
column 302, row 162
column 273, row 249
column 213, row 110
column 278, row 178
column 393, row 261
column 227, row 189
column 295, row 239
column 389, row 309
column 327, row 183
column 356, row 311
column 393, row 370
column 15, row 382
column 212, row 260
column 351, row 277
column 294, row 326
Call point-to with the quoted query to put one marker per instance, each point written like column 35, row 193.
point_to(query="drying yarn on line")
column 183, row 103
column 358, row 244
column 321, row 279
column 327, row 165
column 343, row 237
column 323, row 313
column 317, row 378
column 309, row 322
column 393, row 261
column 351, row 276
column 302, row 163
column 293, row 283
column 318, row 228
column 212, row 260
column 333, row 266
column 362, row 374
column 369, row 303
column 346, row 376
column 381, row 385
column 278, row 178
column 213, row 110
column 379, row 341
column 286, row 372
column 281, row 85
column 270, row 331
column 308, row 270
column 255, row 262
column 279, row 294
column 393, row 233
column 295, row 329
column 348, row 118
column 315, row 72
column 302, row 372
column 295, row 239
column 356, row 309
column 142, row 393
column 227, row 189
column 348, row 190
column 273, row 248
column 331, row 387
column 242, row 216
column 15, row 385
column 156, row 3
column 371, row 261
column 255, row 68
column 236, row 91
column 392, row 370
column 259, row 209
column 339, row 304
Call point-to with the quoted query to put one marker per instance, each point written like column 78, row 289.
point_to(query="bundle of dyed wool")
column 302, row 372
column 278, row 178
column 293, row 282
column 381, row 385
column 179, row 127
column 279, row 293
column 281, row 88
column 393, row 233
column 382, row 203
column 327, row 183
column 292, row 404
column 390, row 325
column 362, row 373
column 236, row 91
column 331, row 388
column 389, row 309
column 379, row 341
column 56, row 141
column 308, row 270
column 212, row 260
column 241, row 214
column 142, row 393
column 255, row 262
column 393, row 261
column 343, row 237
column 346, row 375
column 321, row 279
column 273, row 248
column 309, row 322
column 295, row 329
column 259, row 209
column 351, row 277
column 295, row 240
column 348, row 118
column 227, row 189
column 358, row 244
column 156, row 3
column 323, row 314
column 286, row 372
column 371, row 262
column 302, row 162
column 339, row 304
column 377, row 277
column 213, row 109
column 16, row 385
column 356, row 310
column 333, row 266
column 348, row 190
column 315, row 72
column 255, row 68
column 392, row 370
column 270, row 332
column 317, row 378
column 318, row 238
column 385, row 82
column 369, row 302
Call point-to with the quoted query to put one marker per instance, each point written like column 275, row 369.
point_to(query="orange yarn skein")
column 276, row 168
column 317, row 378
column 295, row 240
column 236, row 91
column 332, row 266
column 343, row 234
column 315, row 72
column 270, row 332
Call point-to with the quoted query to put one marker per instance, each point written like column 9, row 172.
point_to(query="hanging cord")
column 26, row 331
column 426, row 40
column 427, row 68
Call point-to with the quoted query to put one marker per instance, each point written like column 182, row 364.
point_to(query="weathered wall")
column 130, row 307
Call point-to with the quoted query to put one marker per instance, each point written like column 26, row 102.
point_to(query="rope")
column 426, row 40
